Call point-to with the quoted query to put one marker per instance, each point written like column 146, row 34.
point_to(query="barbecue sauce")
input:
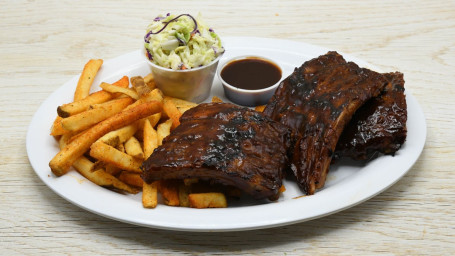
column 251, row 73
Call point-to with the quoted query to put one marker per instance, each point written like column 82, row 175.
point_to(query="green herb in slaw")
column 181, row 42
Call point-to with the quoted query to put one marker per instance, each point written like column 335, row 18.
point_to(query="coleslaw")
column 181, row 42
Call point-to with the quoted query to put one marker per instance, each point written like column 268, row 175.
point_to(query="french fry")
column 79, row 106
column 90, row 117
column 61, row 162
column 86, row 79
column 172, row 112
column 100, row 177
column 63, row 140
column 150, row 194
column 154, row 95
column 154, row 119
column 111, row 155
column 132, row 179
column 163, row 130
column 75, row 135
column 150, row 81
column 115, row 126
column 122, row 82
column 139, row 85
column 116, row 89
column 260, row 108
column 120, row 147
column 169, row 190
column 216, row 99
column 112, row 169
column 94, row 173
column 99, row 165
column 57, row 127
column 133, row 148
column 207, row 200
column 150, row 141
column 180, row 103
column 118, row 136
column 184, row 192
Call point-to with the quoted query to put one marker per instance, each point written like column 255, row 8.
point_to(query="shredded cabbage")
column 181, row 42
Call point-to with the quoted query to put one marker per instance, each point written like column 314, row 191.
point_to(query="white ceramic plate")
column 346, row 186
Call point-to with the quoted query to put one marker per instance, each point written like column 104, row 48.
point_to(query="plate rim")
column 278, row 221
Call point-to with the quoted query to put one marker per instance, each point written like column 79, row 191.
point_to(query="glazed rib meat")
column 227, row 144
column 379, row 125
column 317, row 101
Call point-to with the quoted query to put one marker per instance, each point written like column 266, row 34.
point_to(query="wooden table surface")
column 45, row 43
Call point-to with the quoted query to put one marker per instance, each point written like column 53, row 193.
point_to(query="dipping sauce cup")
column 249, row 80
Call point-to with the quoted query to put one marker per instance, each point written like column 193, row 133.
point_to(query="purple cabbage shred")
column 181, row 42
column 146, row 37
column 149, row 56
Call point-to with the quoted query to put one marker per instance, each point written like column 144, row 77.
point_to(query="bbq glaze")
column 379, row 126
column 225, row 144
column 316, row 101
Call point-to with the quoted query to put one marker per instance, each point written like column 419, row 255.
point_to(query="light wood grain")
column 45, row 43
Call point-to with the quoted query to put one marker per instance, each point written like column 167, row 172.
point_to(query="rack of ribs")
column 317, row 101
column 226, row 144
column 378, row 126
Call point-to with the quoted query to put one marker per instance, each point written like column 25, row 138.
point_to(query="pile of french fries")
column 106, row 135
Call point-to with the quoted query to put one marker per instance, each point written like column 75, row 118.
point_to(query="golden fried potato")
column 122, row 82
column 139, row 85
column 119, row 136
column 180, row 103
column 184, row 192
column 260, row 108
column 133, row 179
column 116, row 89
column 150, row 139
column 61, row 162
column 207, row 200
column 86, row 79
column 100, row 177
column 150, row 194
column 133, row 148
column 150, row 81
column 172, row 112
column 169, row 190
column 216, row 99
column 90, row 117
column 111, row 155
column 163, row 130
column 154, row 119
column 79, row 106
column 57, row 127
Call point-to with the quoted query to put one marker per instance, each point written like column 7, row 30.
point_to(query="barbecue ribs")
column 317, row 101
column 227, row 144
column 378, row 126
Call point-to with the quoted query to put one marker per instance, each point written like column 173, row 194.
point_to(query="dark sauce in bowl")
column 251, row 73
